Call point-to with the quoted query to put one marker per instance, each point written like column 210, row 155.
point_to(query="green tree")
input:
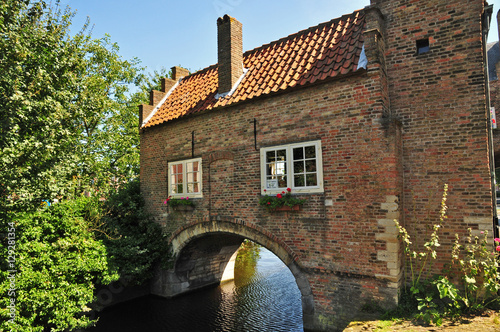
column 39, row 63
column 108, row 148
column 68, row 124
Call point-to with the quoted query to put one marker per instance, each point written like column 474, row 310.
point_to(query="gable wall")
column 440, row 98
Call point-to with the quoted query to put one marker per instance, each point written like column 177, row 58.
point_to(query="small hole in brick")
column 423, row 46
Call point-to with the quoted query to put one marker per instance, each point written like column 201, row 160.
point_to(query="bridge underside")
column 201, row 264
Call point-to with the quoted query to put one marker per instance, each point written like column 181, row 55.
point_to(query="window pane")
column 311, row 165
column 310, row 151
column 179, row 189
column 298, row 153
column 282, row 182
column 298, row 166
column 189, row 167
column 172, row 179
column 271, row 183
column 281, row 155
column 195, row 166
column 311, row 180
column 177, row 168
column 269, row 169
column 270, row 156
column 280, row 168
column 298, row 180
column 173, row 189
column 193, row 188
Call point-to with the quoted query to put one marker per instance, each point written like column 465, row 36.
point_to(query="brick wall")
column 440, row 98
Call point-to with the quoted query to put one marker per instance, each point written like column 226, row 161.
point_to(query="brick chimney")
column 230, row 52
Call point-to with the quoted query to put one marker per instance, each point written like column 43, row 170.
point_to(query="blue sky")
column 166, row 33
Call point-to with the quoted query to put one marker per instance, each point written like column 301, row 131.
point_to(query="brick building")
column 366, row 117
column 493, row 50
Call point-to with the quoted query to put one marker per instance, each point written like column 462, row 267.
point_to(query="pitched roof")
column 328, row 50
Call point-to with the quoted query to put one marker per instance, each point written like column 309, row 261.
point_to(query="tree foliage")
column 135, row 242
column 65, row 100
column 40, row 64
column 69, row 124
column 108, row 145
column 56, row 264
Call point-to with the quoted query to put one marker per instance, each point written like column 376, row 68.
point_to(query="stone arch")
column 239, row 229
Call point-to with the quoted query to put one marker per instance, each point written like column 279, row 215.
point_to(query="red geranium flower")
column 288, row 189
column 279, row 196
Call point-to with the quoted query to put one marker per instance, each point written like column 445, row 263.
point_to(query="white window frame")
column 184, row 164
column 318, row 188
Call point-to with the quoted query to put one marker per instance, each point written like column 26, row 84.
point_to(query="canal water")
column 262, row 297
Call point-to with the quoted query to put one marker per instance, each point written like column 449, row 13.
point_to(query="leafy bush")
column 134, row 242
column 56, row 266
column 63, row 252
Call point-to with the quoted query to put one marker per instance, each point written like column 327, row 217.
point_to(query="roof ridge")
column 201, row 71
column 301, row 32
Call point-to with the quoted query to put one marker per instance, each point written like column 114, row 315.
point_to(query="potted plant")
column 282, row 202
column 180, row 204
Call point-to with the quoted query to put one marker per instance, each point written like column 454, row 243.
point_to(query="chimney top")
column 230, row 52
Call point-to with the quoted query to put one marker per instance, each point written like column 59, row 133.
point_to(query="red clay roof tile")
column 322, row 52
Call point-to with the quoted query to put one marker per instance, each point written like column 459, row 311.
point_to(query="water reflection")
column 263, row 297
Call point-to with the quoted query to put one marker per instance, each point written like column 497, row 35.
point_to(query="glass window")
column 296, row 166
column 185, row 178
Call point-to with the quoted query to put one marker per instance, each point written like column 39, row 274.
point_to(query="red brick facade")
column 391, row 136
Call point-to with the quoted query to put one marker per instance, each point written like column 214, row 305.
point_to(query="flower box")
column 288, row 208
column 185, row 208
column 282, row 202
column 180, row 204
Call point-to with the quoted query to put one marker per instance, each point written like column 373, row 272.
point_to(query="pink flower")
column 268, row 203
column 187, row 197
column 165, row 202
column 498, row 248
column 182, row 197
column 497, row 240
column 278, row 196
column 288, row 189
